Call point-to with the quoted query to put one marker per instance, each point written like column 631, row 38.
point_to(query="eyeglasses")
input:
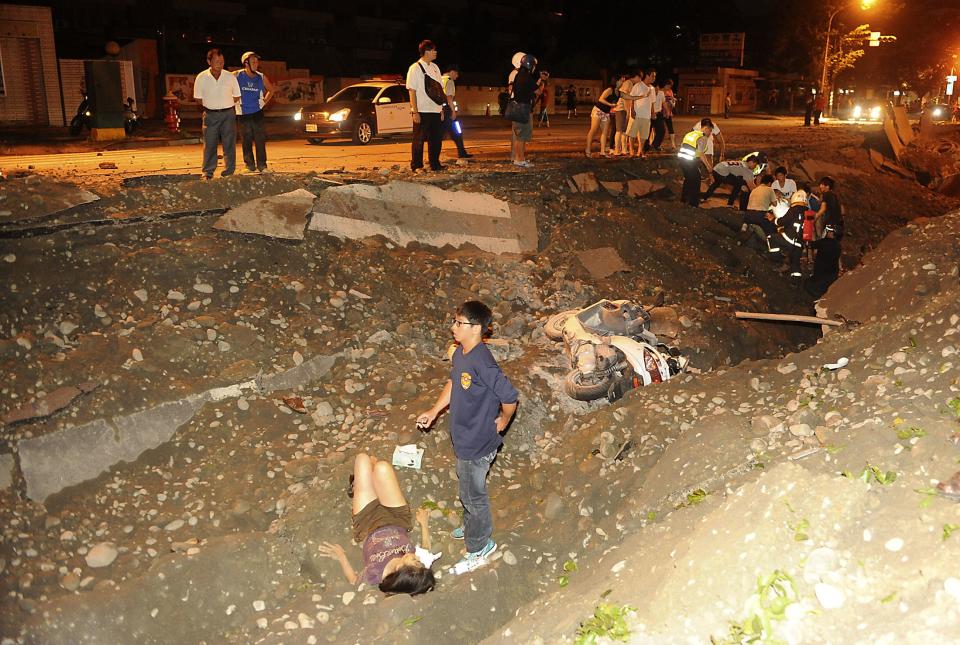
column 461, row 323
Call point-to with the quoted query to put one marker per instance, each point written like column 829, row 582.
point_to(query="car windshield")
column 363, row 93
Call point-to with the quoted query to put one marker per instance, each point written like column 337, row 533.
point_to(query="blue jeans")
column 477, row 519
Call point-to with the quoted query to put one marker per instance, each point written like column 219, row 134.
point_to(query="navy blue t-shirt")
column 478, row 389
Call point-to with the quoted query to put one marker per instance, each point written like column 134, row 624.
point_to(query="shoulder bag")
column 433, row 88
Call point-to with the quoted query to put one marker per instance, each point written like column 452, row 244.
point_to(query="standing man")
column 218, row 93
column 643, row 94
column 450, row 111
column 692, row 152
column 427, row 113
column 255, row 92
column 571, row 96
column 525, row 91
column 544, row 100
column 818, row 107
column 727, row 103
column 659, row 125
column 807, row 110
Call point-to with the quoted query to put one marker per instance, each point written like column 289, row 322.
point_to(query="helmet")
column 246, row 55
column 517, row 59
column 528, row 62
column 799, row 197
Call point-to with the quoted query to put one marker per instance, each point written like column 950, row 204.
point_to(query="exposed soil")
column 216, row 530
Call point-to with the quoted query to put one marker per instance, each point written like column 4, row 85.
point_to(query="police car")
column 360, row 112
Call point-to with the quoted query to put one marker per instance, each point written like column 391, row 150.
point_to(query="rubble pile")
column 247, row 368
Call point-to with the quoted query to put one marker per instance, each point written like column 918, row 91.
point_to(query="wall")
column 29, row 59
column 73, row 79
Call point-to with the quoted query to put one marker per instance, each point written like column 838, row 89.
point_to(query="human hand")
column 425, row 420
column 501, row 423
column 332, row 551
column 416, row 117
column 423, row 516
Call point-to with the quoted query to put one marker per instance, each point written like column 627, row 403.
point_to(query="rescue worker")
column 740, row 175
column 692, row 152
column 791, row 229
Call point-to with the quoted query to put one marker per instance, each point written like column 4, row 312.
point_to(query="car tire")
column 363, row 133
column 314, row 141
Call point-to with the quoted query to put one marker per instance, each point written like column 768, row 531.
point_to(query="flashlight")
column 456, row 125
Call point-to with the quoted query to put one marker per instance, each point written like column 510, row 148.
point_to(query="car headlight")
column 340, row 115
column 875, row 112
column 857, row 112
column 937, row 112
column 298, row 116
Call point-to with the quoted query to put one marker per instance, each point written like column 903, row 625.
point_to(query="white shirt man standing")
column 644, row 94
column 218, row 93
column 427, row 114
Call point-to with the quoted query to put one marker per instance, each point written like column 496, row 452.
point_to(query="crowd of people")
column 631, row 117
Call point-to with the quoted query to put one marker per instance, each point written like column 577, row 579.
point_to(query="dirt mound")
column 162, row 310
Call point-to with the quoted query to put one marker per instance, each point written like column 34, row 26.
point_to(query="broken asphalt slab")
column 51, row 403
column 73, row 455
column 283, row 216
column 407, row 212
column 602, row 262
column 35, row 197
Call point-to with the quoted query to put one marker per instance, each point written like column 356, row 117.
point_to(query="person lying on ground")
column 381, row 520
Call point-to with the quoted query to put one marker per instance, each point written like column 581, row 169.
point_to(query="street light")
column 864, row 4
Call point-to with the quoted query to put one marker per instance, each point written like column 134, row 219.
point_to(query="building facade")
column 29, row 80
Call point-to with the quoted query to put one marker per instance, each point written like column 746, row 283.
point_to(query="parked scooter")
column 611, row 350
column 81, row 119
column 130, row 118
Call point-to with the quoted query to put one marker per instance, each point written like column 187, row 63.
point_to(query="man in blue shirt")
column 255, row 92
column 482, row 402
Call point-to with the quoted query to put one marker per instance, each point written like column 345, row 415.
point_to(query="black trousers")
column 450, row 127
column 430, row 129
column 735, row 182
column 691, row 182
column 826, row 265
column 659, row 131
column 252, row 131
column 807, row 115
column 759, row 218
column 816, row 117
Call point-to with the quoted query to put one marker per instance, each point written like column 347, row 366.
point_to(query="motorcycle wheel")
column 554, row 325
column 576, row 388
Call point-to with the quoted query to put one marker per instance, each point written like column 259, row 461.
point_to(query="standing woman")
column 619, row 113
column 600, row 118
column 669, row 104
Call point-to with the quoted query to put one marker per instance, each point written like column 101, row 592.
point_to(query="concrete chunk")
column 586, row 182
column 283, row 216
column 602, row 262
column 6, row 471
column 407, row 212
column 643, row 187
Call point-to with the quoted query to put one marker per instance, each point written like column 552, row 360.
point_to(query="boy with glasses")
column 482, row 402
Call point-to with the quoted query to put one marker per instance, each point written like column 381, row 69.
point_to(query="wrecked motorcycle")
column 612, row 350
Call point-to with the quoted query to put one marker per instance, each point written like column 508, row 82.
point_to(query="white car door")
column 393, row 110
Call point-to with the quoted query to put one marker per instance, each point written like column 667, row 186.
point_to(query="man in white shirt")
column 427, row 114
column 218, row 93
column 781, row 184
column 739, row 175
column 644, row 95
column 714, row 135
column 659, row 124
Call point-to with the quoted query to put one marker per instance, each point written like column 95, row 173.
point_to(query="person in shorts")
column 381, row 521
column 644, row 93
column 524, row 92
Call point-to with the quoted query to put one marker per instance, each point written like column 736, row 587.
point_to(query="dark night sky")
column 571, row 38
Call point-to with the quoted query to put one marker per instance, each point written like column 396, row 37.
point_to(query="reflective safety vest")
column 761, row 165
column 688, row 148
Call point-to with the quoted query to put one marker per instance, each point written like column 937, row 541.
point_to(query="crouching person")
column 381, row 521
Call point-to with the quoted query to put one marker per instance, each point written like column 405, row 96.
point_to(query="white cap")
column 517, row 59
column 246, row 55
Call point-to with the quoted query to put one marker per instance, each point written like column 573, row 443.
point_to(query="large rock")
column 54, row 461
column 283, row 216
column 406, row 212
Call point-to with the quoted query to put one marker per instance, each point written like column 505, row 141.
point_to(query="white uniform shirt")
column 734, row 167
column 415, row 81
column 716, row 131
column 216, row 93
column 788, row 188
column 658, row 102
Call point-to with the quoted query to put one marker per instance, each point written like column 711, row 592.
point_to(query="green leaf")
column 651, row 515
column 948, row 529
column 696, row 496
column 563, row 581
column 569, row 566
column 890, row 597
column 430, row 506
column 911, row 432
column 954, row 404
column 413, row 620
